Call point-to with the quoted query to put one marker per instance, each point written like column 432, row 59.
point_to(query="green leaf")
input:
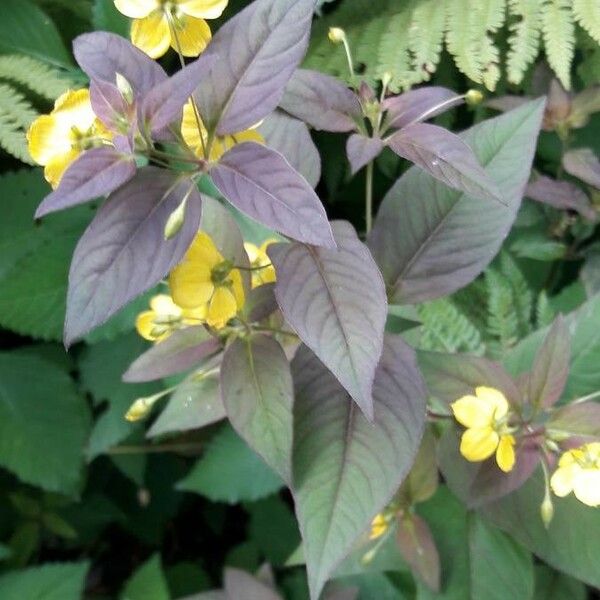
column 44, row 423
column 230, row 472
column 59, row 581
column 106, row 17
column 566, row 544
column 257, row 392
column 147, row 583
column 25, row 29
column 346, row 468
column 552, row 585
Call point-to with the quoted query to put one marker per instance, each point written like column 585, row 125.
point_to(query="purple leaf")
column 239, row 584
column 417, row 546
column 347, row 468
column 507, row 103
column 445, row 156
column 451, row 376
column 123, row 252
column 110, row 106
column 163, row 104
column 419, row 105
column 561, row 195
column 429, row 240
column 258, row 51
column 321, row 101
column 361, row 150
column 102, row 55
column 479, row 483
column 335, row 300
column 257, row 391
column 291, row 138
column 181, row 351
column 583, row 164
column 95, row 173
column 262, row 184
column 580, row 420
column 261, row 302
column 551, row 366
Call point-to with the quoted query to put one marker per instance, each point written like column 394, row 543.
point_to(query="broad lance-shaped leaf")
column 548, row 377
column 291, row 138
column 262, row 184
column 579, row 419
column 97, row 172
column 584, row 164
column 430, row 240
column 419, row 105
column 181, row 351
column 346, row 468
column 164, row 103
column 361, row 150
column 124, row 252
column 445, row 156
column 257, row 391
column 258, row 51
column 102, row 55
column 321, row 101
column 335, row 301
column 109, row 105
column 560, row 194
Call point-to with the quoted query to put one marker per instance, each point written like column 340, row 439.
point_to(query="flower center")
column 220, row 273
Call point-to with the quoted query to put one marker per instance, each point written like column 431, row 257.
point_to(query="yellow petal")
column 74, row 109
column 145, row 324
column 505, row 453
column 586, row 486
column 562, row 480
column 494, row 398
column 379, row 526
column 137, row 9
column 570, row 457
column 193, row 36
column 56, row 167
column 195, row 316
column 163, row 305
column 202, row 9
column 222, row 307
column 151, row 34
column 191, row 285
column 252, row 251
column 190, row 132
column 478, row 444
column 47, row 138
column 204, row 251
column 472, row 411
column 237, row 288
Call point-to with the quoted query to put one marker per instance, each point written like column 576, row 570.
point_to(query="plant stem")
column 369, row 197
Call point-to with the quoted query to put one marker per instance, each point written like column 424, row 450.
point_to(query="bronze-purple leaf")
column 335, row 300
column 583, row 164
column 124, row 252
column 97, row 172
column 560, row 194
column 239, row 584
column 445, row 156
column 258, row 50
column 361, row 150
column 578, row 420
column 321, row 101
column 262, row 184
column 181, row 351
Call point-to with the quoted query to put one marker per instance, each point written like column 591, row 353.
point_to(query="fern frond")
column 33, row 74
column 393, row 57
column 522, row 294
column 524, row 39
column 461, row 38
column 447, row 329
column 587, row 14
column 16, row 114
column 544, row 313
column 491, row 16
column 425, row 37
column 558, row 30
column 503, row 323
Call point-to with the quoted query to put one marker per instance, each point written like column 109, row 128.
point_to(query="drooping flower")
column 486, row 415
column 262, row 269
column 206, row 281
column 196, row 136
column 579, row 472
column 57, row 139
column 164, row 317
column 158, row 24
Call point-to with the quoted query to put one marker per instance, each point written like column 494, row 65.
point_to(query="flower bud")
column 142, row 406
column 175, row 221
column 386, row 79
column 547, row 510
column 473, row 97
column 336, row 35
column 125, row 88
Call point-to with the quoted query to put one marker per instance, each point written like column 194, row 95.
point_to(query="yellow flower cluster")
column 262, row 269
column 164, row 317
column 57, row 139
column 579, row 472
column 180, row 24
column 485, row 416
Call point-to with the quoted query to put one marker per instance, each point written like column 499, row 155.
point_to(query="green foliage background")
column 94, row 506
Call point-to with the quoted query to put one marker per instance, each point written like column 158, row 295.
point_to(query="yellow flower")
column 263, row 271
column 158, row 24
column 57, row 139
column 579, row 472
column 485, row 416
column 197, row 140
column 164, row 317
column 379, row 525
column 205, row 281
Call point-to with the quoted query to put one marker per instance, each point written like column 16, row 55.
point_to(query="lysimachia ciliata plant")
column 311, row 377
